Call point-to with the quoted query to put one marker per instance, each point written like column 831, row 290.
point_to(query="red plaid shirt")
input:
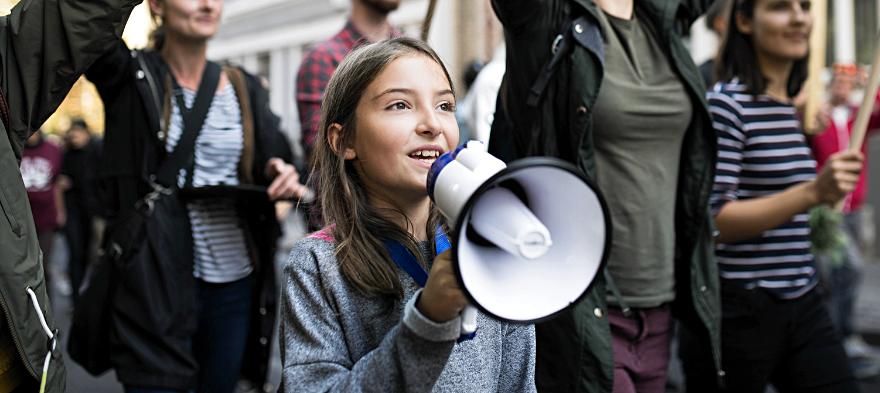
column 317, row 66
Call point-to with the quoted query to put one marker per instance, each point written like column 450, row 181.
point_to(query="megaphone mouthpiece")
column 503, row 219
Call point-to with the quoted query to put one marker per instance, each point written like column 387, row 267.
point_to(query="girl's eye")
column 805, row 6
column 398, row 106
column 447, row 107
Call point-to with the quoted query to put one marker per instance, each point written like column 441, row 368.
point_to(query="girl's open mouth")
column 426, row 156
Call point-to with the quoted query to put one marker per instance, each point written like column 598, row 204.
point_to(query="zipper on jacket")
column 15, row 339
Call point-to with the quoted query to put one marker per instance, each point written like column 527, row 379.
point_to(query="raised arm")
column 46, row 45
column 515, row 15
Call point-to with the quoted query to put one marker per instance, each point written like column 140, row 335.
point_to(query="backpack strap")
column 558, row 49
column 193, row 119
column 246, row 162
column 572, row 32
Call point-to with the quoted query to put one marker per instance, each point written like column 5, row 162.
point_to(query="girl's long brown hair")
column 357, row 227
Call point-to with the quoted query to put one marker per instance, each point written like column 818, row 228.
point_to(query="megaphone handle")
column 468, row 323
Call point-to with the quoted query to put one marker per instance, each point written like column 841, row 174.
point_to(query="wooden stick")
column 860, row 127
column 815, row 89
column 426, row 25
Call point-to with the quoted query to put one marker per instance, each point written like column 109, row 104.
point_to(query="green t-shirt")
column 640, row 119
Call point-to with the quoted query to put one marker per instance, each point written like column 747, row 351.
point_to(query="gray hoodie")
column 335, row 338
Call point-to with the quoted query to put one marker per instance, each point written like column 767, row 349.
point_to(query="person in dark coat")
column 80, row 166
column 609, row 86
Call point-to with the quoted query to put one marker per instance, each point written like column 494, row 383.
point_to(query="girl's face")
column 780, row 29
column 189, row 19
column 403, row 122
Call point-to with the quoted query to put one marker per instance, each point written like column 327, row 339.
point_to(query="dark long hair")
column 737, row 58
column 357, row 227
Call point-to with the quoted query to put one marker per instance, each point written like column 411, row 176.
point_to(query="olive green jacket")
column 574, row 352
column 45, row 45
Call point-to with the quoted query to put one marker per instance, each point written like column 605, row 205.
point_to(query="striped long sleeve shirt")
column 761, row 151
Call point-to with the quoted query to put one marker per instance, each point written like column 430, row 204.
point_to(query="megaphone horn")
column 528, row 238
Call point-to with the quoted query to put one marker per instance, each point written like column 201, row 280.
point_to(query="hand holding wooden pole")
column 860, row 127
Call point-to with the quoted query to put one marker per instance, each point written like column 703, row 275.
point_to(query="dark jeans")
column 78, row 231
column 219, row 342
column 789, row 343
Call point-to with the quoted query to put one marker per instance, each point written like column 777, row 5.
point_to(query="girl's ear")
column 333, row 131
column 743, row 23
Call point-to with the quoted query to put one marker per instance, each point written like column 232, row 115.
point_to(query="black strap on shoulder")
column 193, row 119
column 558, row 49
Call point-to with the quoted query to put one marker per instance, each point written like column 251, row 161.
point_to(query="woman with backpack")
column 188, row 145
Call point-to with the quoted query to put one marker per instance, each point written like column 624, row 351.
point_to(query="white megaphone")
column 527, row 238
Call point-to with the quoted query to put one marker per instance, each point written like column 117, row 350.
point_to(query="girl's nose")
column 430, row 124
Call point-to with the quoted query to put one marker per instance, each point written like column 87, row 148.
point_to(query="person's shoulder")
column 313, row 252
column 251, row 81
column 95, row 144
column 323, row 51
column 732, row 93
column 53, row 148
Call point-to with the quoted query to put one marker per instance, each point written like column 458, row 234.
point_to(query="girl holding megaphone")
column 352, row 317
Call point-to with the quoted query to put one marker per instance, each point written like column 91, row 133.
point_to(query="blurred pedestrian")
column 609, row 86
column 84, row 209
column 367, row 23
column 843, row 278
column 46, row 46
column 775, row 327
column 716, row 21
column 201, row 295
column 477, row 109
column 41, row 173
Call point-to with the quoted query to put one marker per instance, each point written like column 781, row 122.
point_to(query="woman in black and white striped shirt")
column 775, row 328
column 232, row 238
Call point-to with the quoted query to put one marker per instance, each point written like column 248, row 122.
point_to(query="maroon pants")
column 641, row 349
